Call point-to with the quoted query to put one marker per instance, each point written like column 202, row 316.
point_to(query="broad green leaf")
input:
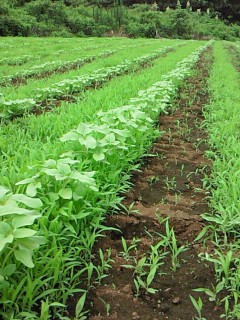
column 68, row 161
column 25, row 220
column 25, row 181
column 70, row 136
column 30, row 202
column 123, row 133
column 32, row 189
column 24, row 233
column 108, row 139
column 4, row 228
column 53, row 196
column 3, row 192
column 9, row 270
column 89, row 174
column 90, row 142
column 84, row 129
column 82, row 177
column 4, row 284
column 50, row 172
column 11, row 207
column 98, row 156
column 50, row 163
column 64, row 168
column 6, row 235
column 65, row 193
column 31, row 243
column 24, row 256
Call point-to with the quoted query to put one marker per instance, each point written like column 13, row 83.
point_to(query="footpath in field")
column 155, row 261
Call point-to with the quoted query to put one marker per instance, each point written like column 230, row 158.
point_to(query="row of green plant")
column 51, row 67
column 222, row 118
column 51, row 221
column 16, row 48
column 50, row 51
column 70, row 86
column 16, row 61
column 146, row 267
column 129, row 52
column 27, row 140
column 36, row 51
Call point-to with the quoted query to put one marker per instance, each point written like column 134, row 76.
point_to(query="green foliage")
column 141, row 21
column 78, row 182
column 76, row 17
column 222, row 125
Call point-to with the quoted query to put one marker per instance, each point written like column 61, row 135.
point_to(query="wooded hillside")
column 228, row 9
column 195, row 19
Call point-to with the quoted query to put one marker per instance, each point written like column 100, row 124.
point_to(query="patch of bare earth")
column 169, row 185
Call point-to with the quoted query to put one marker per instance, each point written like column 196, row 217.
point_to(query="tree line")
column 195, row 19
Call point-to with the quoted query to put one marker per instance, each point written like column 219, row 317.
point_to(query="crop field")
column 119, row 179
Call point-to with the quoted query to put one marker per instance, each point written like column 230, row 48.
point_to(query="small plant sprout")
column 170, row 242
column 222, row 263
column 175, row 250
column 107, row 306
column 153, row 179
column 130, row 209
column 182, row 169
column 212, row 294
column 176, row 198
column 198, row 305
column 104, row 265
column 126, row 250
column 147, row 268
column 170, row 183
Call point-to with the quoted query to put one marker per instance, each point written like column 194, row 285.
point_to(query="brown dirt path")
column 169, row 185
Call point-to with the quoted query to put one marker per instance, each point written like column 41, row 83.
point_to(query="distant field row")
column 29, row 89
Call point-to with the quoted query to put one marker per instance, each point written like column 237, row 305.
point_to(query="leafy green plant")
column 126, row 249
column 104, row 266
column 198, row 305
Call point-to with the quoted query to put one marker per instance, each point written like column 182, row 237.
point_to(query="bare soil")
column 169, row 185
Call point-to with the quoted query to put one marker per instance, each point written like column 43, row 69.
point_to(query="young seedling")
column 107, row 306
column 170, row 184
column 176, row 198
column 182, row 169
column 153, row 179
column 198, row 305
column 129, row 210
column 104, row 265
column 126, row 250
